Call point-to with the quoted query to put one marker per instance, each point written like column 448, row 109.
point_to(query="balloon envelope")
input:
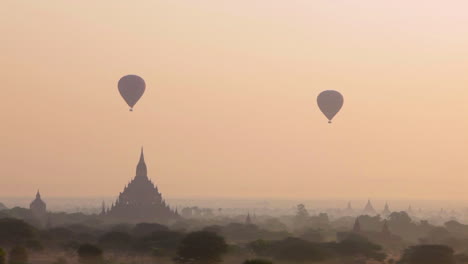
column 131, row 87
column 330, row 103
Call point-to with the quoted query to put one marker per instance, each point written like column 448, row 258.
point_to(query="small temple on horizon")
column 369, row 209
column 386, row 212
column 39, row 209
column 140, row 200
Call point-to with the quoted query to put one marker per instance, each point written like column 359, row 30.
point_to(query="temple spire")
column 103, row 209
column 142, row 156
column 248, row 220
column 357, row 226
column 386, row 212
column 141, row 170
column 369, row 209
column 38, row 194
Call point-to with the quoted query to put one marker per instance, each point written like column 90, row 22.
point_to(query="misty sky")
column 230, row 105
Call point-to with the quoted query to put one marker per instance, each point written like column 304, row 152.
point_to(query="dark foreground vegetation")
column 75, row 238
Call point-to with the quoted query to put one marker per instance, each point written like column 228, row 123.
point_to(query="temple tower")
column 386, row 212
column 369, row 209
column 39, row 209
column 357, row 226
column 140, row 201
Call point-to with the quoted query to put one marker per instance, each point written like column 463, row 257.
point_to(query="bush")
column 428, row 254
column 117, row 241
column 144, row 229
column 15, row 232
column 2, row 256
column 355, row 245
column 160, row 243
column 201, row 248
column 90, row 254
column 298, row 250
column 18, row 255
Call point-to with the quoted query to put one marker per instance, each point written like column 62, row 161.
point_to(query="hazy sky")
column 230, row 106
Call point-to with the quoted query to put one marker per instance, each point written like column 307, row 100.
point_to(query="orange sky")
column 229, row 109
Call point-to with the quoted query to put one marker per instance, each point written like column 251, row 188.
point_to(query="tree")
column 116, row 241
column 401, row 224
column 370, row 223
column 201, row 248
column 274, row 224
column 440, row 235
column 302, row 212
column 2, row 256
column 428, row 254
column 302, row 217
column 90, row 254
column 260, row 247
column 144, row 229
column 313, row 235
column 357, row 246
column 213, row 229
column 399, row 218
column 58, row 234
column 298, row 250
column 164, row 239
column 18, row 255
column 240, row 232
column 160, row 243
column 320, row 221
column 126, row 228
column 15, row 232
column 60, row 238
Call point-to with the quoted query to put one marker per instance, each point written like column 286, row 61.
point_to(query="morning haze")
column 230, row 102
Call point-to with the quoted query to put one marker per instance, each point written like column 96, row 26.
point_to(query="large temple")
column 141, row 201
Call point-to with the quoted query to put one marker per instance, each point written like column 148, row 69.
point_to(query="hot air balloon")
column 330, row 103
column 131, row 87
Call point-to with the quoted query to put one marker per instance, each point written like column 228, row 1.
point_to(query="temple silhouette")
column 369, row 209
column 140, row 201
column 386, row 212
column 39, row 209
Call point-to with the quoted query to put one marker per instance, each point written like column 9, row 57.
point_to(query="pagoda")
column 140, row 200
column 348, row 211
column 39, row 209
column 369, row 209
column 386, row 212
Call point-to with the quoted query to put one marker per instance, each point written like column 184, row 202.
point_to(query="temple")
column 248, row 220
column 386, row 212
column 349, row 210
column 369, row 209
column 140, row 200
column 39, row 209
column 410, row 210
column 357, row 226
